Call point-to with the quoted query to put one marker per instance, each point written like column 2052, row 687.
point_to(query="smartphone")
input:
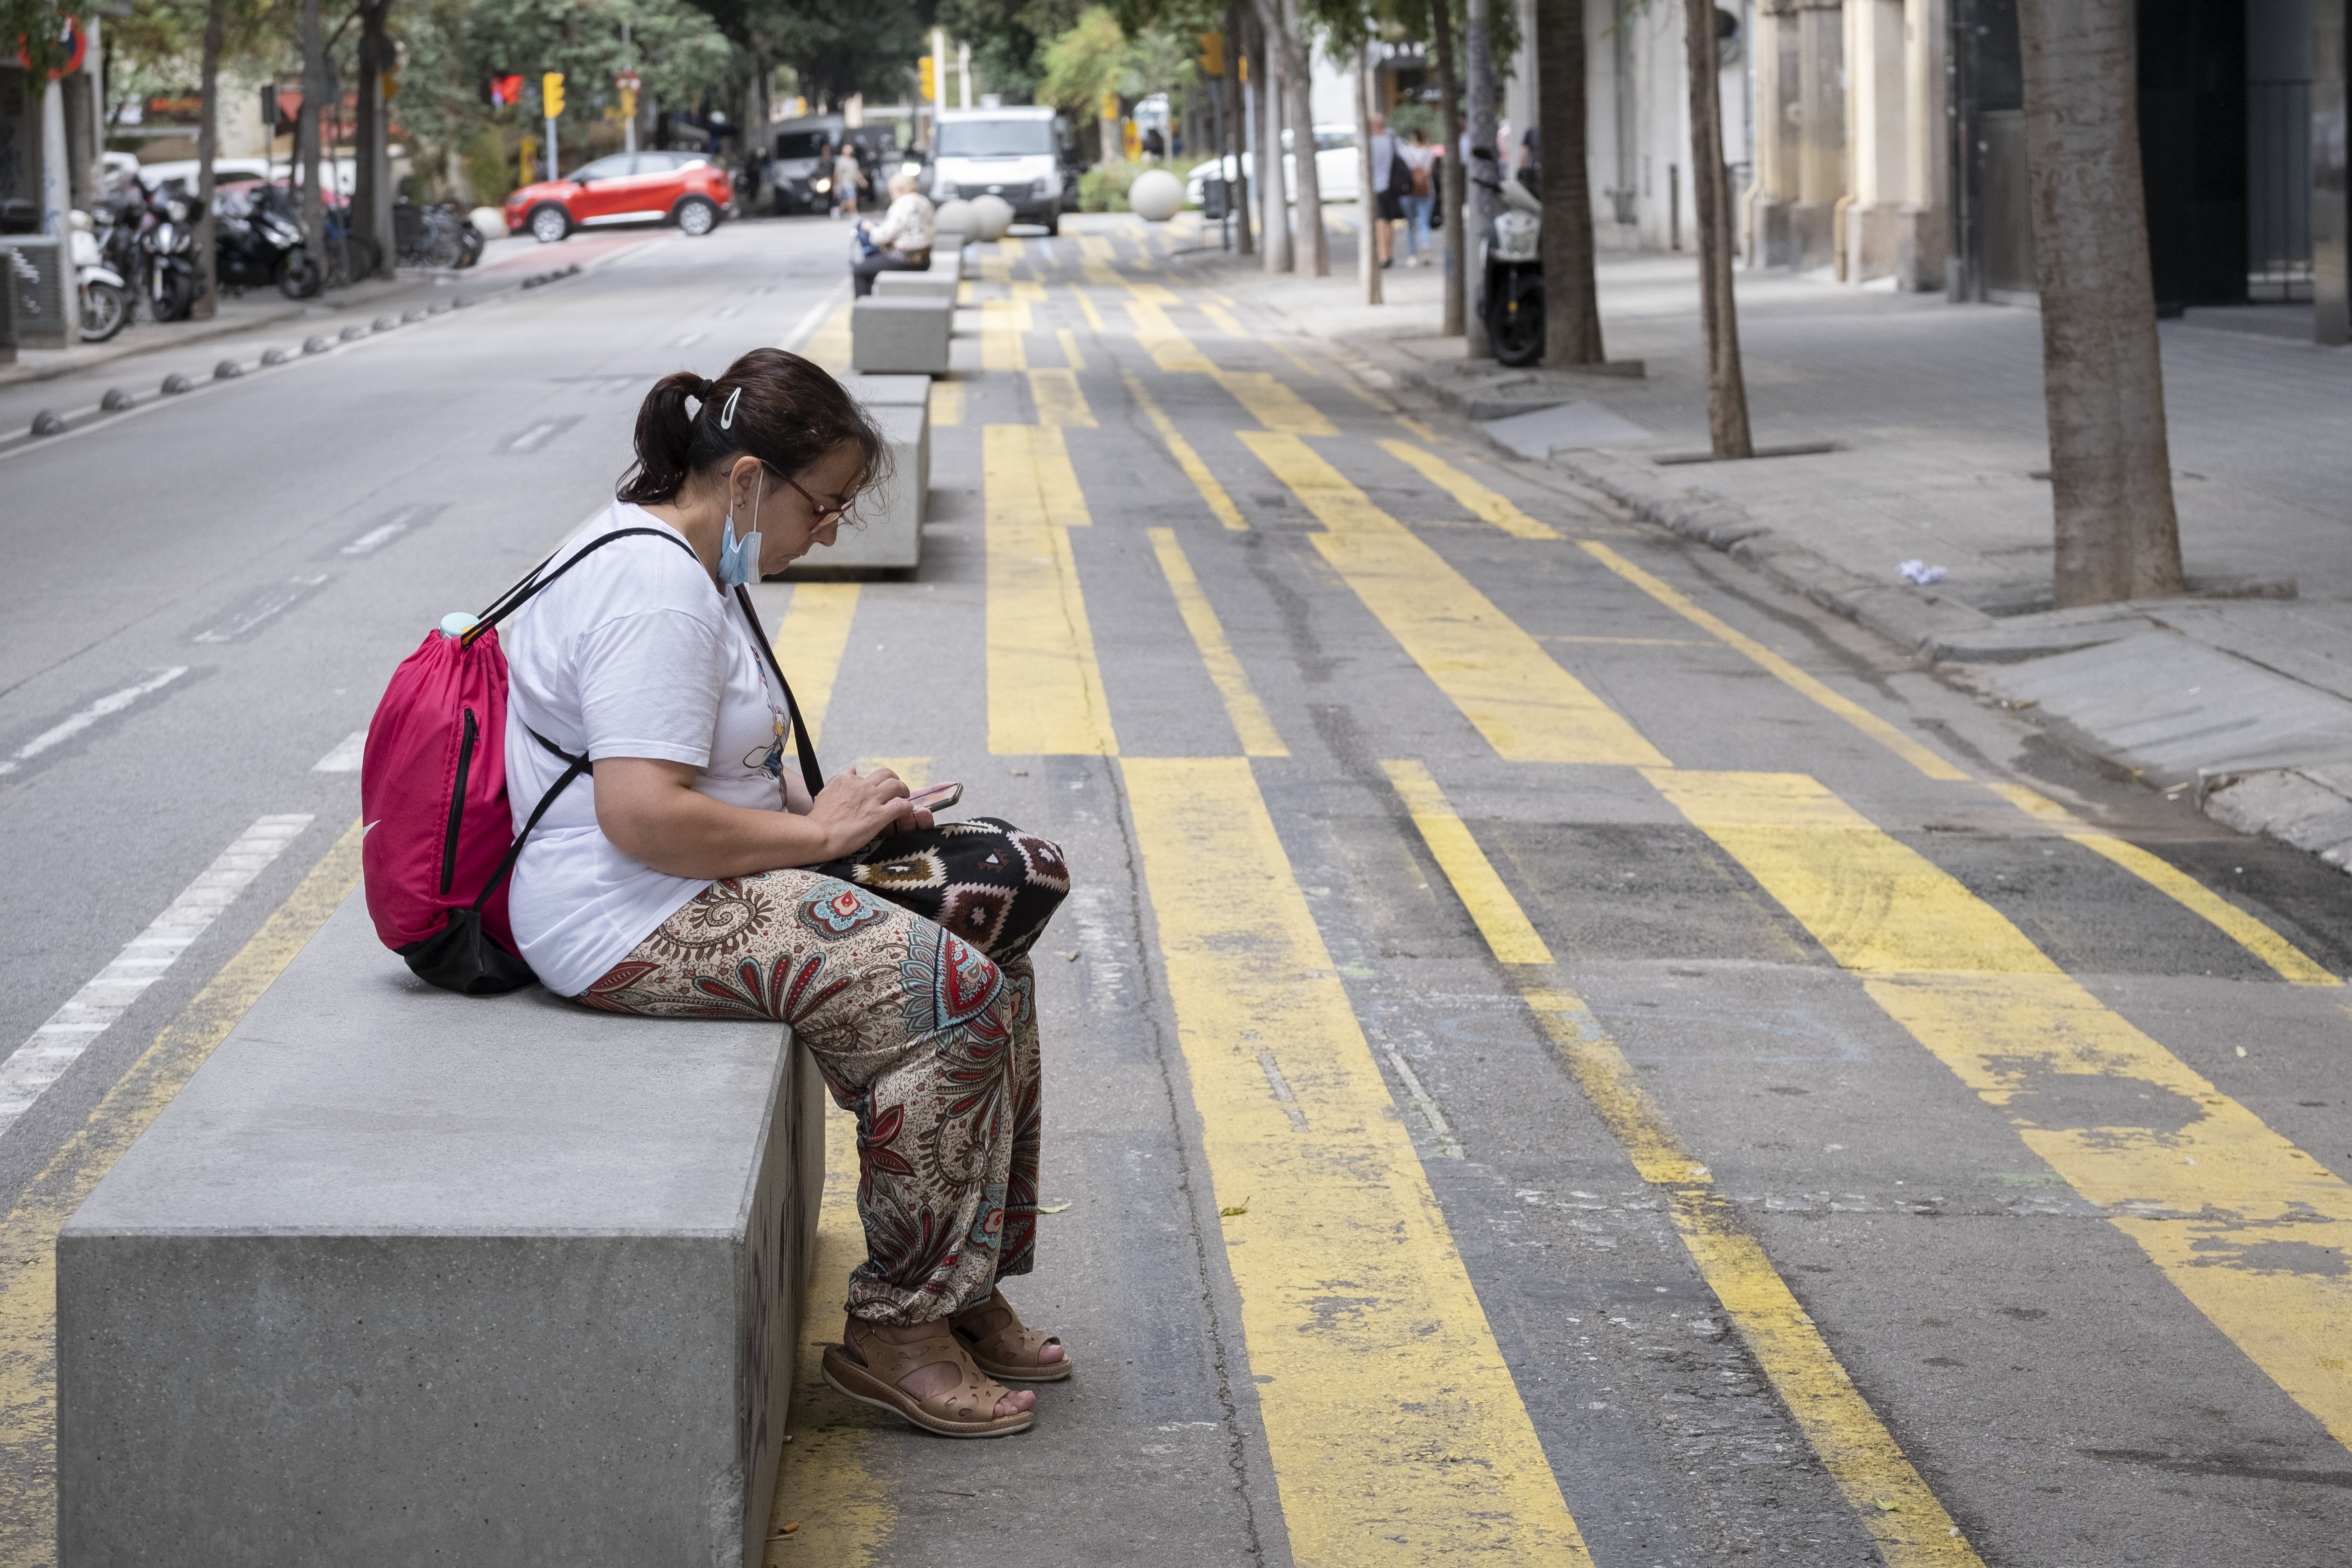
column 937, row 796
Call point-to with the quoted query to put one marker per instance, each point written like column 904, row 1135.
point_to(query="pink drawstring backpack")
column 440, row 840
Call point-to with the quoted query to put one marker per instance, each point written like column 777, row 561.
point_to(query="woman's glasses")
column 823, row 511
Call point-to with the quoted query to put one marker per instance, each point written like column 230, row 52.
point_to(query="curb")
column 22, row 375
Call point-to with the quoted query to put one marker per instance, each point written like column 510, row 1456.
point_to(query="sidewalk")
column 249, row 312
column 1934, row 413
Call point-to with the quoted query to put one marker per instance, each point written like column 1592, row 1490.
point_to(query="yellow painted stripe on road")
column 2251, row 1229
column 1223, row 320
column 1002, row 325
column 1060, row 403
column 1896, row 1505
column 1528, row 707
column 1220, row 505
column 811, row 637
column 1474, row 498
column 1256, row 731
column 29, row 1267
column 1044, row 688
column 1498, row 916
column 1396, row 1434
column 1170, row 350
column 1095, row 247
column 1296, row 363
column 1861, row 1455
column 1087, row 308
column 1069, row 342
column 1273, row 405
column 829, row 345
column 2296, row 967
column 947, row 403
column 1919, row 756
column 831, row 1484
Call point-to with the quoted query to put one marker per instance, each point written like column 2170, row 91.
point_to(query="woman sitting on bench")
column 901, row 242
column 691, row 876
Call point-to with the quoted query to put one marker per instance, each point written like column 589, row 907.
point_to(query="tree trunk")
column 1368, row 261
column 1237, row 129
column 306, row 129
column 2102, row 375
column 1298, row 69
column 207, row 149
column 1571, row 304
column 1449, row 186
column 1272, row 188
column 371, row 180
column 1480, row 173
column 1727, row 386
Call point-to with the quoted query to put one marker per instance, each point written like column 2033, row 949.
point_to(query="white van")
column 1015, row 154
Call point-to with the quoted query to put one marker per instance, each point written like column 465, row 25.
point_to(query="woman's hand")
column 859, row 807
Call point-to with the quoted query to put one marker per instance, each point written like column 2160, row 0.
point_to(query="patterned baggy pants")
column 932, row 1045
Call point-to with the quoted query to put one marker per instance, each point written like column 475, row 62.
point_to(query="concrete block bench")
column 403, row 1277
column 884, row 530
column 905, row 391
column 893, row 334
column 936, row 284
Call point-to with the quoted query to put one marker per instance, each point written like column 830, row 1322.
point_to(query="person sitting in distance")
column 902, row 241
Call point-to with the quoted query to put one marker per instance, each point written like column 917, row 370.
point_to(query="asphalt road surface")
column 1558, row 1051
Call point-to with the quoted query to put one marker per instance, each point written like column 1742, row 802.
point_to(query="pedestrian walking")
column 1420, row 157
column 691, row 874
column 848, row 179
column 1388, row 188
column 901, row 242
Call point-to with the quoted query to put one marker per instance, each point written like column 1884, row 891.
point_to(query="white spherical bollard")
column 489, row 222
column 1156, row 194
column 994, row 214
column 956, row 214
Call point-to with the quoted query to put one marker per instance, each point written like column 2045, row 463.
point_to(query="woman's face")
column 788, row 525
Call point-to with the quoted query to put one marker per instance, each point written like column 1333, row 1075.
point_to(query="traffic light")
column 1213, row 54
column 551, row 94
column 930, row 79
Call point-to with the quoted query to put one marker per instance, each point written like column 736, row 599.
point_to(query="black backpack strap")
column 514, row 598
column 514, row 851
column 811, row 774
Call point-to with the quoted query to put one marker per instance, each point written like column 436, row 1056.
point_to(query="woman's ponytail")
column 777, row 406
column 665, row 439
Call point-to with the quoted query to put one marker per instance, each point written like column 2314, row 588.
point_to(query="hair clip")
column 727, row 415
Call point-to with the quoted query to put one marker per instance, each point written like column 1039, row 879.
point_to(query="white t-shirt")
column 634, row 653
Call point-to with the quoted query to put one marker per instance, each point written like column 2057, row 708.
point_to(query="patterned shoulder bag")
column 986, row 880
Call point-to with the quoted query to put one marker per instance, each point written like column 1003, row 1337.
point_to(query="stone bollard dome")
column 958, row 214
column 1156, row 194
column 489, row 222
column 992, row 217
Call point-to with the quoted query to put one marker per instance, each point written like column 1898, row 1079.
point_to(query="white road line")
column 376, row 538
column 689, row 341
column 283, row 598
column 57, row 1045
column 532, row 439
column 113, row 702
column 1447, row 1143
column 807, row 325
column 345, row 757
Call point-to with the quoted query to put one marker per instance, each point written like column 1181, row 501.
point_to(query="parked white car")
column 1335, row 166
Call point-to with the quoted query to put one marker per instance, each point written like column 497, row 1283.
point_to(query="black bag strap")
column 505, row 604
column 514, row 598
column 811, row 774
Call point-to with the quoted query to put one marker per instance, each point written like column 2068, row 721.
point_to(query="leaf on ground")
column 1886, row 1506
column 1230, row 1210
column 1071, row 956
column 1051, row 1208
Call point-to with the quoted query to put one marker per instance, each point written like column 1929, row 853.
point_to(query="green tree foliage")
column 1008, row 40
column 835, row 47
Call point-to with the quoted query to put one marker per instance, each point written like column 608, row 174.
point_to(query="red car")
column 684, row 188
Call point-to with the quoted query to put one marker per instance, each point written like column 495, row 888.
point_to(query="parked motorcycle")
column 167, row 257
column 1510, row 265
column 258, row 242
column 104, row 303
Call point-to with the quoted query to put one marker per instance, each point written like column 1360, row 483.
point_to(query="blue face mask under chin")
column 739, row 560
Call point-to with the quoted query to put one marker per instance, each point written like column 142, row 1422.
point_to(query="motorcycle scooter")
column 104, row 305
column 258, row 242
column 1510, row 265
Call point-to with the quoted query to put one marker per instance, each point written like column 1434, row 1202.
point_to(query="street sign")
column 627, row 81
column 506, row 91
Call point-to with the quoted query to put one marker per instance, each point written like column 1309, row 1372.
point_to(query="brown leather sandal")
column 868, row 1368
column 1010, row 1351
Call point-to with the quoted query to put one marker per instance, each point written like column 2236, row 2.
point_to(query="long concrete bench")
column 403, row 1277
column 884, row 530
column 934, row 284
column 905, row 392
column 897, row 336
